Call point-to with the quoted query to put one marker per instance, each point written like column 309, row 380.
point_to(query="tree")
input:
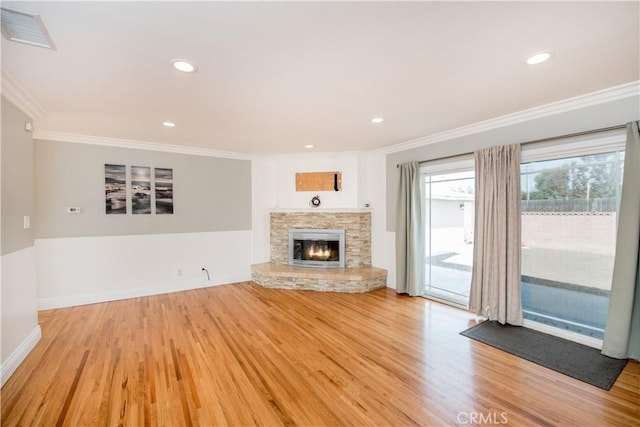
column 590, row 177
column 551, row 184
column 603, row 176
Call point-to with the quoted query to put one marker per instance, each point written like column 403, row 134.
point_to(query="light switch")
column 27, row 222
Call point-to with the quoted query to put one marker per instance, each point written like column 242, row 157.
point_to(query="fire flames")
column 317, row 253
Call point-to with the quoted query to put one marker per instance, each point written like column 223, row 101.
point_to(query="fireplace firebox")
column 310, row 247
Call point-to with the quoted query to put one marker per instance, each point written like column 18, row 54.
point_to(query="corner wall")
column 19, row 319
column 93, row 257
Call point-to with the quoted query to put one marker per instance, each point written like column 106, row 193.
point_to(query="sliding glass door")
column 449, row 208
column 569, row 220
column 569, row 215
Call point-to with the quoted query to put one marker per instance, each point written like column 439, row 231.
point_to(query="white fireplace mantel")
column 320, row 210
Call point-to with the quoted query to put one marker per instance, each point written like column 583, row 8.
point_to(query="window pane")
column 569, row 214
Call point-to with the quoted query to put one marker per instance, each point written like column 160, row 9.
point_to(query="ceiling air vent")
column 25, row 27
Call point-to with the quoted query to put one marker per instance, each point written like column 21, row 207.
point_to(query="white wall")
column 20, row 329
column 18, row 275
column 373, row 184
column 83, row 270
column 287, row 166
column 263, row 198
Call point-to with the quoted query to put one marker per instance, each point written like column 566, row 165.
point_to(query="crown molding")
column 329, row 155
column 626, row 90
column 18, row 95
column 137, row 145
column 15, row 93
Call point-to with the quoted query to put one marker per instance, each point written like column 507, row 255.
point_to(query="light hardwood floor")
column 243, row 355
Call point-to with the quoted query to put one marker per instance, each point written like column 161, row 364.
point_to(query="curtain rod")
column 535, row 141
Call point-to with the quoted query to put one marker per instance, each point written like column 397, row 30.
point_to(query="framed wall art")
column 164, row 190
column 115, row 189
column 140, row 190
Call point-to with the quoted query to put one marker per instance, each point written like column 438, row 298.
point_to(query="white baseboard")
column 17, row 357
column 74, row 300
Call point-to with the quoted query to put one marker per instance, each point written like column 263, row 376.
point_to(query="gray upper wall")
column 594, row 117
column 210, row 194
column 17, row 179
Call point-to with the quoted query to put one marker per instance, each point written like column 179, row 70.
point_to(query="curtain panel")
column 495, row 280
column 410, row 261
column 622, row 331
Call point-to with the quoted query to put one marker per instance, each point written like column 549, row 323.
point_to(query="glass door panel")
column 569, row 215
column 449, row 207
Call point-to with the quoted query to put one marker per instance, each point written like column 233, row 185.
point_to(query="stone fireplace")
column 355, row 275
column 356, row 226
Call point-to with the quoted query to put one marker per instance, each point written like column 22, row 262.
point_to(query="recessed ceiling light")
column 169, row 124
column 308, row 146
column 183, row 65
column 538, row 58
column 377, row 120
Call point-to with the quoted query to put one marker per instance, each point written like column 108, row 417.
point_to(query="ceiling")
column 273, row 77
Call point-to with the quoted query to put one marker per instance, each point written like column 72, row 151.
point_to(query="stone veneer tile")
column 269, row 269
column 357, row 226
column 322, row 285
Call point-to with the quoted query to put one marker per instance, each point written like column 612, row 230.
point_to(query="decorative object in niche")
column 319, row 181
column 315, row 201
column 141, row 189
column 115, row 189
column 164, row 190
